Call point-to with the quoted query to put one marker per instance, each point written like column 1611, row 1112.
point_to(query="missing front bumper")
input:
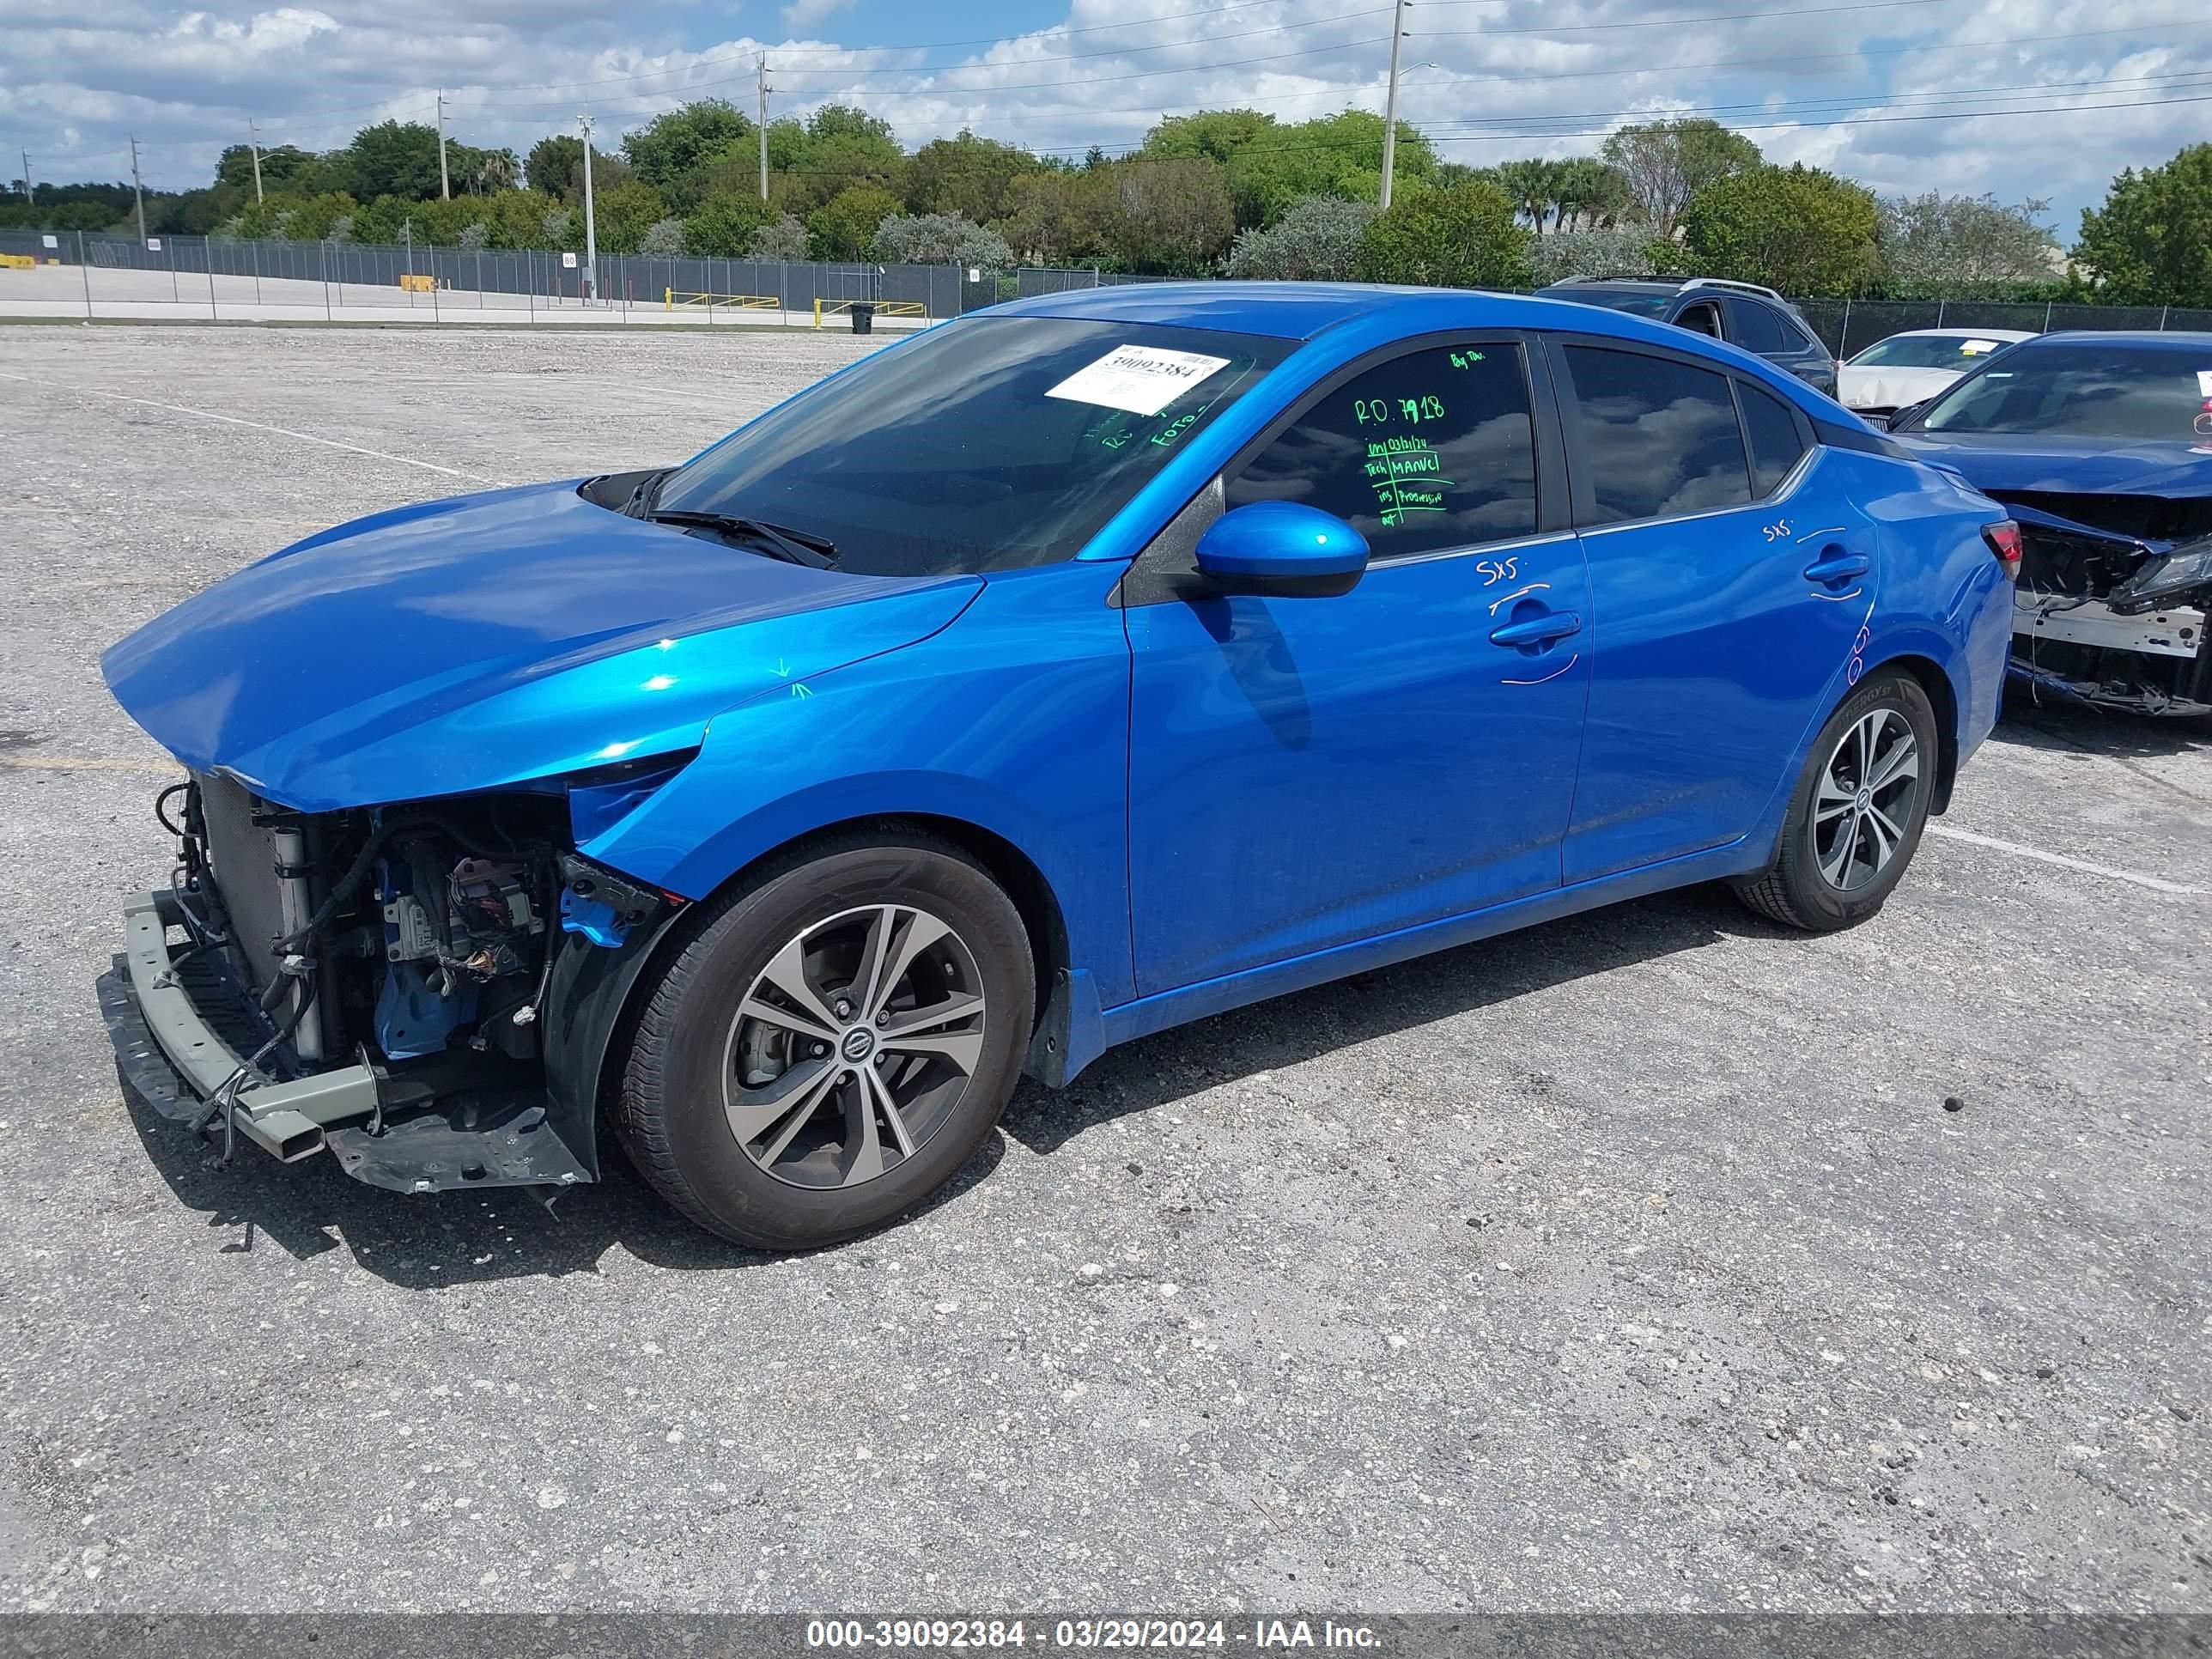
column 387, row 1129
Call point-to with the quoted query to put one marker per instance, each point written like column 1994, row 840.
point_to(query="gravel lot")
column 1633, row 1261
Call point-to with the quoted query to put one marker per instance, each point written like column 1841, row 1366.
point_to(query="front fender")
column 1013, row 720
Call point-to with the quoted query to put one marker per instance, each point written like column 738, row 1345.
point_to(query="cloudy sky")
column 2043, row 98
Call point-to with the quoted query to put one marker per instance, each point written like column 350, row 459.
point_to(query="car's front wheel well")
column 1005, row 863
column 1937, row 684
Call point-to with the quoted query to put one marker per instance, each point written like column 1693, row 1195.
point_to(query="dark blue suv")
column 1756, row 318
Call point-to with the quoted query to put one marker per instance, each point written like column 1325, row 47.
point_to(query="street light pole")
column 253, row 143
column 445, row 189
column 137, row 191
column 591, row 225
column 765, row 90
column 1390, row 106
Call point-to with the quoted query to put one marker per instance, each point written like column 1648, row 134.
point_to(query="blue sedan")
column 1063, row 673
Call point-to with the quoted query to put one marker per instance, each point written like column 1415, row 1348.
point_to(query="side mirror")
column 1284, row 550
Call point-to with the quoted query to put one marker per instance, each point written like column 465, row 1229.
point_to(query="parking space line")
column 257, row 426
column 2154, row 882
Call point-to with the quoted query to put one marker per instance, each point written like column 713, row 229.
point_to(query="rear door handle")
column 1835, row 566
column 1538, row 630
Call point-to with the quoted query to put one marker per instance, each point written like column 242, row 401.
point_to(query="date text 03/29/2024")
column 1124, row 1632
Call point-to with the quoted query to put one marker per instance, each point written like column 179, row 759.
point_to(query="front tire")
column 1857, row 812
column 834, row 1040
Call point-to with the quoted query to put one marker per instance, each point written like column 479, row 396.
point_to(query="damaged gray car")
column 2100, row 444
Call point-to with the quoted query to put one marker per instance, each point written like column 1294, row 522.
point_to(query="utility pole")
column 253, row 143
column 1390, row 106
column 138, row 191
column 29, row 195
column 591, row 225
column 765, row 90
column 445, row 189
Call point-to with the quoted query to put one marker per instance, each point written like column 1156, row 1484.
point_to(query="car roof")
column 1302, row 311
column 2131, row 339
column 1299, row 311
column 1951, row 329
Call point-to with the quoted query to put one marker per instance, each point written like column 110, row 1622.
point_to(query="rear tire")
column 833, row 1042
column 1856, row 815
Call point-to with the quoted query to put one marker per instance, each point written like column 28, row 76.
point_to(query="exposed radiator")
column 262, row 906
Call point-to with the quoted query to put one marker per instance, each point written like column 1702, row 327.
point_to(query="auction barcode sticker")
column 1143, row 380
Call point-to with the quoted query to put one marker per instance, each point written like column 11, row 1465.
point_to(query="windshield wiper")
column 778, row 543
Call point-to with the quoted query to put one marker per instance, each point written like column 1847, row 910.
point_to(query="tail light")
column 2004, row 537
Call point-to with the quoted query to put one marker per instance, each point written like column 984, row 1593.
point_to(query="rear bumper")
column 176, row 1061
column 390, row 1127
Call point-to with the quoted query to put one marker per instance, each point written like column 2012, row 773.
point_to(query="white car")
column 1912, row 367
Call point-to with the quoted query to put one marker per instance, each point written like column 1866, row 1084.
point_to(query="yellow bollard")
column 668, row 299
column 817, row 313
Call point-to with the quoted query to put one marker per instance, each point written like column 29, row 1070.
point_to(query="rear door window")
column 1656, row 437
column 1757, row 328
column 1770, row 431
column 1431, row 450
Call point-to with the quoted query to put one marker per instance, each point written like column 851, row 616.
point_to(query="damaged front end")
column 384, row 982
column 2113, row 596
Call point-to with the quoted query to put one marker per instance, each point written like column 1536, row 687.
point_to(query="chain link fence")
column 106, row 276
column 192, row 275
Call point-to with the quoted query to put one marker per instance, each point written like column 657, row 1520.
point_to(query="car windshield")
column 1957, row 352
column 985, row 444
column 1637, row 301
column 2081, row 389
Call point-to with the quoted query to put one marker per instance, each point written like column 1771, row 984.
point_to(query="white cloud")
column 1839, row 90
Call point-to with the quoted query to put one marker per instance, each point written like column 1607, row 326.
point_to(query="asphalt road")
column 1632, row 1261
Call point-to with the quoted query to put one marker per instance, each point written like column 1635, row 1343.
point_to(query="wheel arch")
column 604, row 990
column 1944, row 697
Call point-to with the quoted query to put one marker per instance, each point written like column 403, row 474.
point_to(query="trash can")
column 864, row 319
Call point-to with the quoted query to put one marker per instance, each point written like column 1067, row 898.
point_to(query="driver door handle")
column 1538, row 630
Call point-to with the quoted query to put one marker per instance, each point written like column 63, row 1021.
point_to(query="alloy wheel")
column 853, row 1046
column 1868, row 795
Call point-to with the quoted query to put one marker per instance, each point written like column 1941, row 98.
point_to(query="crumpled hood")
column 491, row 639
column 2071, row 465
column 1890, row 388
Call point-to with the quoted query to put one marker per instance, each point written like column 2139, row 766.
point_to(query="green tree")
column 1338, row 155
column 1462, row 236
column 725, row 224
column 1590, row 195
column 1665, row 163
column 393, row 158
column 1213, row 135
column 516, row 218
column 624, row 214
column 1173, row 216
column 671, row 144
column 1796, row 228
column 1942, row 246
column 281, row 165
column 1533, row 185
column 967, row 175
column 2151, row 241
column 1062, row 218
column 941, row 238
column 844, row 226
column 1623, row 251
column 783, row 240
column 1317, row 240
column 556, row 164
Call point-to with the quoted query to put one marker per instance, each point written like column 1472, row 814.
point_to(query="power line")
column 484, row 115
